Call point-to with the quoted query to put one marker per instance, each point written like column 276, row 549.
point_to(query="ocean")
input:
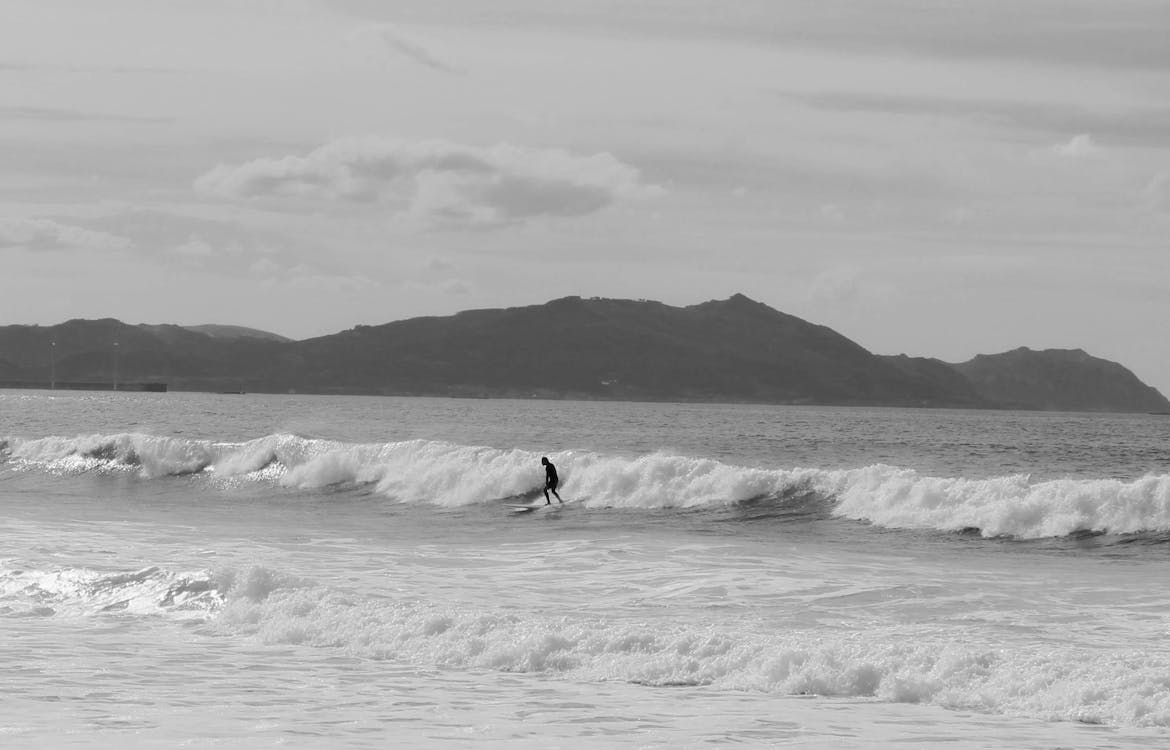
column 244, row 571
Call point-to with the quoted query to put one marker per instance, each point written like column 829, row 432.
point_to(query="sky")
column 939, row 178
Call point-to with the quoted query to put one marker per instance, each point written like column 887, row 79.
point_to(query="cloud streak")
column 444, row 182
column 1156, row 194
column 409, row 48
column 1145, row 125
column 45, row 234
column 60, row 114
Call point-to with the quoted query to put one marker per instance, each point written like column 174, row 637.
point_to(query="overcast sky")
column 937, row 178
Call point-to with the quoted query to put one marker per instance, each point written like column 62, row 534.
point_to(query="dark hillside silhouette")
column 1060, row 380
column 723, row 350
column 733, row 349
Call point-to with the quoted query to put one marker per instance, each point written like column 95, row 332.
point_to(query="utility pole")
column 53, row 366
column 115, row 365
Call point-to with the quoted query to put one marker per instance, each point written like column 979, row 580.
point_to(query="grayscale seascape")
column 244, row 571
column 844, row 326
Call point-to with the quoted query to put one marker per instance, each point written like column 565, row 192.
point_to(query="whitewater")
column 254, row 570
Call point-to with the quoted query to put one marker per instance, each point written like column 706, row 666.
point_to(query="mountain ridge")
column 735, row 349
column 1058, row 379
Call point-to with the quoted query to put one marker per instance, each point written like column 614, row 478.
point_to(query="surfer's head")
column 544, row 460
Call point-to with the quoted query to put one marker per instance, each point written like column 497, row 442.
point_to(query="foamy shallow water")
column 315, row 594
column 279, row 698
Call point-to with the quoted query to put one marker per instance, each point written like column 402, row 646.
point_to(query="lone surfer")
column 550, row 481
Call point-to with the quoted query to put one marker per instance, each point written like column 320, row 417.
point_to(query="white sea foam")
column 904, row 663
column 150, row 455
column 1001, row 506
column 894, row 663
column 448, row 474
column 80, row 591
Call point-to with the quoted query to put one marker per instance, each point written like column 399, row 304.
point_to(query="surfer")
column 550, row 481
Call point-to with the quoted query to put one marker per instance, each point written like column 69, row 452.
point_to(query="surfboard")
column 517, row 508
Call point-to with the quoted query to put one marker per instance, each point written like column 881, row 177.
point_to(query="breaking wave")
column 908, row 664
column 453, row 475
column 905, row 664
column 80, row 591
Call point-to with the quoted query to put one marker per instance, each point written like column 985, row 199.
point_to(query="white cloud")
column 253, row 257
column 45, row 234
column 193, row 248
column 848, row 285
column 441, row 181
column 1078, row 147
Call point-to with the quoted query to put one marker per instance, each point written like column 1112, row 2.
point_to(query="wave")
column 1008, row 506
column 894, row 663
column 452, row 475
column 80, row 591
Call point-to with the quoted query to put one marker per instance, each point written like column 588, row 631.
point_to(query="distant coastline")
column 722, row 351
column 82, row 386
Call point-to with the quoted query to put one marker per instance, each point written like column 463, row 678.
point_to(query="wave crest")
column 453, row 475
column 81, row 591
column 1009, row 506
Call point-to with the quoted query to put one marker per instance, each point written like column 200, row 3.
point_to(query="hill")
column 1059, row 380
column 99, row 351
column 236, row 332
column 729, row 350
column 723, row 350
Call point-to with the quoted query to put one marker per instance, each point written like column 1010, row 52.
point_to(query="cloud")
column 1078, row 147
column 455, row 287
column 269, row 266
column 195, row 249
column 959, row 216
column 22, row 66
column 440, row 181
column 831, row 213
column 254, row 257
column 448, row 287
column 411, row 49
column 848, row 285
column 220, row 247
column 45, row 234
column 440, row 266
column 1155, row 197
column 1146, row 124
column 57, row 114
column 309, row 278
column 1080, row 152
column 443, row 276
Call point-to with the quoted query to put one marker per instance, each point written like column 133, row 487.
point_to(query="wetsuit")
column 550, row 482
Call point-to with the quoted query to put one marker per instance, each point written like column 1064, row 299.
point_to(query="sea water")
column 198, row 570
